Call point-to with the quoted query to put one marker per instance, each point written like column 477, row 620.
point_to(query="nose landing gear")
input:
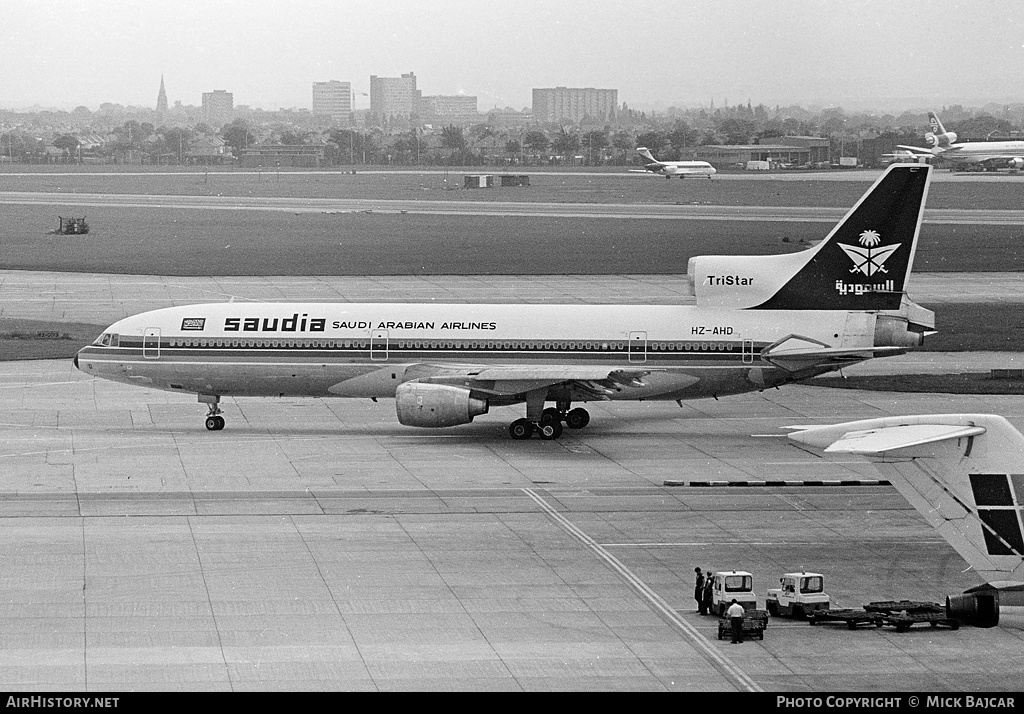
column 214, row 420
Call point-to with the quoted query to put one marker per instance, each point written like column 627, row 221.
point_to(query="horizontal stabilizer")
column 794, row 353
column 879, row 441
column 920, row 150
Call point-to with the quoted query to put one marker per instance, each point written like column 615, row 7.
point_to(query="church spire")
column 161, row 99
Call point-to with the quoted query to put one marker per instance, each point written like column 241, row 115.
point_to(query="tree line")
column 476, row 144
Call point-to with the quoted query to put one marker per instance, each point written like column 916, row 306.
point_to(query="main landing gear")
column 549, row 425
column 214, row 420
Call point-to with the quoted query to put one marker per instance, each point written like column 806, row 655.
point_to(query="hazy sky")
column 881, row 53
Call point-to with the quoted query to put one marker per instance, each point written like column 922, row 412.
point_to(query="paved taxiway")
column 317, row 544
column 760, row 214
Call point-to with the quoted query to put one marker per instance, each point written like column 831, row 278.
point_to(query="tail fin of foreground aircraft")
column 965, row 474
column 863, row 264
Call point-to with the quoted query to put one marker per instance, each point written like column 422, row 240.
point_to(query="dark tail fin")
column 864, row 262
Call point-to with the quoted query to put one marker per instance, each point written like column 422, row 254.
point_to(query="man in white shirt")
column 735, row 614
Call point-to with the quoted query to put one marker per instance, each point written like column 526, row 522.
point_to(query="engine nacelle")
column 980, row 609
column 1016, row 163
column 944, row 140
column 895, row 331
column 436, row 405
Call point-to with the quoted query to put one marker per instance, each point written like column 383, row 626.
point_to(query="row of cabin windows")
column 455, row 344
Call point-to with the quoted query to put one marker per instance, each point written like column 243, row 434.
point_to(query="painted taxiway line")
column 776, row 483
column 733, row 672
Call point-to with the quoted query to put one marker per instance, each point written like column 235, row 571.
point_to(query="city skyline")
column 656, row 53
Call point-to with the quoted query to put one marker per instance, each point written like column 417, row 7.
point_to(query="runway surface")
column 317, row 544
column 933, row 216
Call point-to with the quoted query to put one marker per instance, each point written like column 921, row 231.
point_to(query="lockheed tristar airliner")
column 756, row 322
column 668, row 169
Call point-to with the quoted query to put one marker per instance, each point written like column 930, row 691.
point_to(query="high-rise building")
column 394, row 96
column 218, row 106
column 551, row 105
column 333, row 99
column 161, row 98
column 455, row 106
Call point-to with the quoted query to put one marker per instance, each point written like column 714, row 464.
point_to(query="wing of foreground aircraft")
column 965, row 474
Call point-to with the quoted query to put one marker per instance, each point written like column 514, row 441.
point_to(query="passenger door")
column 379, row 345
column 638, row 346
column 151, row 343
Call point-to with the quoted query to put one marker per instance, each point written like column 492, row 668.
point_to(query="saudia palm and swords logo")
column 868, row 260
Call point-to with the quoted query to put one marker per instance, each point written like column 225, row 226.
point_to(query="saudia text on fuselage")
column 305, row 323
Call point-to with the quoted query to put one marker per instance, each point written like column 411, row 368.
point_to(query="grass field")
column 182, row 241
column 172, row 241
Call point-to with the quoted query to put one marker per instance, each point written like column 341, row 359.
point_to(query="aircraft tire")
column 549, row 431
column 550, row 415
column 215, row 423
column 577, row 418
column 520, row 429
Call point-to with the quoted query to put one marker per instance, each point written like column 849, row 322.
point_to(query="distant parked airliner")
column 668, row 169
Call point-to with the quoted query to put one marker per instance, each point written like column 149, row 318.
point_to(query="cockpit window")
column 107, row 339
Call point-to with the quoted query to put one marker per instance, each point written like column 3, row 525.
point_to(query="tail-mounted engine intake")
column 436, row 405
column 943, row 140
column 980, row 609
column 906, row 328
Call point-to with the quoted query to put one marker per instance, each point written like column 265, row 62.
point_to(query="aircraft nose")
column 75, row 362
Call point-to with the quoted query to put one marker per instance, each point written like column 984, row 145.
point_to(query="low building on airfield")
column 789, row 152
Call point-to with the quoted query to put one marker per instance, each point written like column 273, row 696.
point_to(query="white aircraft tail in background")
column 668, row 169
column 967, row 155
column 965, row 474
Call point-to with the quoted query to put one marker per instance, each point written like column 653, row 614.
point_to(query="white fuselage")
column 682, row 168
column 982, row 151
column 368, row 349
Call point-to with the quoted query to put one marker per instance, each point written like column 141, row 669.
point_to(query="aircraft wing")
column 639, row 171
column 511, row 380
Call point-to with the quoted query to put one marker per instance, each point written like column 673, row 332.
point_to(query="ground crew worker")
column 735, row 613
column 698, row 588
column 705, row 596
